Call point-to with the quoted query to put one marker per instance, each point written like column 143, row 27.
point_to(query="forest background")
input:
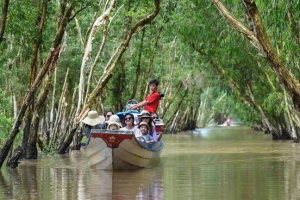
column 213, row 59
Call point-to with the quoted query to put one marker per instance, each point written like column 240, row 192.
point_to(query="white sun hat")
column 114, row 119
column 93, row 118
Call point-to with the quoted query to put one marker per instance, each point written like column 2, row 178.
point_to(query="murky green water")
column 215, row 163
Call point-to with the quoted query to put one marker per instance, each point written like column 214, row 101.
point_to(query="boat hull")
column 113, row 150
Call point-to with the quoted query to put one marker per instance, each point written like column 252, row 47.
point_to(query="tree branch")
column 239, row 26
column 78, row 11
column 119, row 52
column 4, row 18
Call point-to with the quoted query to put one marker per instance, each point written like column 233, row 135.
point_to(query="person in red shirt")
column 151, row 102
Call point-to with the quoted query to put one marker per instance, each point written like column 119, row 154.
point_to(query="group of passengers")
column 143, row 125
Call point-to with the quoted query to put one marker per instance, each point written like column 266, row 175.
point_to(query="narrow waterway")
column 212, row 163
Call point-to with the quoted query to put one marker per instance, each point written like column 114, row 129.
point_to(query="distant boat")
column 115, row 150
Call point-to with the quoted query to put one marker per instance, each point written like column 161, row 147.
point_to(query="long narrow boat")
column 114, row 150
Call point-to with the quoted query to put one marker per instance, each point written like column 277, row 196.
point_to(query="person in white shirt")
column 130, row 125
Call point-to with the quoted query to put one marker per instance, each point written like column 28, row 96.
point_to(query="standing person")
column 228, row 121
column 152, row 101
column 92, row 121
column 129, row 125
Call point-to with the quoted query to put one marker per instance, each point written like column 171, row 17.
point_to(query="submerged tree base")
column 12, row 161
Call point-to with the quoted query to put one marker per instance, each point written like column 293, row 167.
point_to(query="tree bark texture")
column 138, row 67
column 261, row 41
column 31, row 150
column 3, row 18
column 88, row 50
column 51, row 58
column 107, row 74
column 119, row 53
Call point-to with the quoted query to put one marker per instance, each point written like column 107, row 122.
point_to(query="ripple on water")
column 214, row 163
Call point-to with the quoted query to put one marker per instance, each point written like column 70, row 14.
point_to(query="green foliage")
column 5, row 127
column 178, row 49
column 49, row 150
column 274, row 103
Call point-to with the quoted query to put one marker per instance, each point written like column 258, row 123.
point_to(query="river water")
column 212, row 163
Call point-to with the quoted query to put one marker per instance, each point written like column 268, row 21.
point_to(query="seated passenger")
column 92, row 121
column 146, row 137
column 154, row 116
column 146, row 117
column 107, row 115
column 113, row 123
column 129, row 125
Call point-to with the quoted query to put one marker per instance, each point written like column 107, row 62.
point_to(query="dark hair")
column 107, row 111
column 149, row 123
column 131, row 115
column 155, row 114
column 154, row 81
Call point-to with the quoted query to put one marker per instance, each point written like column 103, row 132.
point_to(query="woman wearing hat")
column 146, row 137
column 114, row 123
column 145, row 116
column 129, row 125
column 92, row 121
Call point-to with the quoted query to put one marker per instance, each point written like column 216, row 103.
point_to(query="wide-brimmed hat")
column 144, row 113
column 114, row 119
column 93, row 118
column 144, row 123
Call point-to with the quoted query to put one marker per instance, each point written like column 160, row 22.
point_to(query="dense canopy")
column 213, row 59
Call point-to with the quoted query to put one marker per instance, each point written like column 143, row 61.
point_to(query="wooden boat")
column 114, row 150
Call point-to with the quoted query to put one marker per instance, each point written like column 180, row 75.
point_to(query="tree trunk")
column 26, row 128
column 70, row 121
column 260, row 40
column 51, row 58
column 3, row 18
column 171, row 101
column 88, row 50
column 107, row 73
column 59, row 114
column 31, row 150
column 177, row 108
column 265, row 120
column 51, row 118
column 117, row 57
column 138, row 67
column 12, row 161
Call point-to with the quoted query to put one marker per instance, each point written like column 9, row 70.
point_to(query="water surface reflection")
column 213, row 163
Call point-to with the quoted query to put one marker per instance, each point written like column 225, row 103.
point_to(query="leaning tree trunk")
column 51, row 58
column 88, row 50
column 59, row 114
column 170, row 122
column 3, row 18
column 107, row 74
column 26, row 128
column 31, row 150
column 258, row 37
column 69, row 121
column 265, row 119
column 138, row 67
